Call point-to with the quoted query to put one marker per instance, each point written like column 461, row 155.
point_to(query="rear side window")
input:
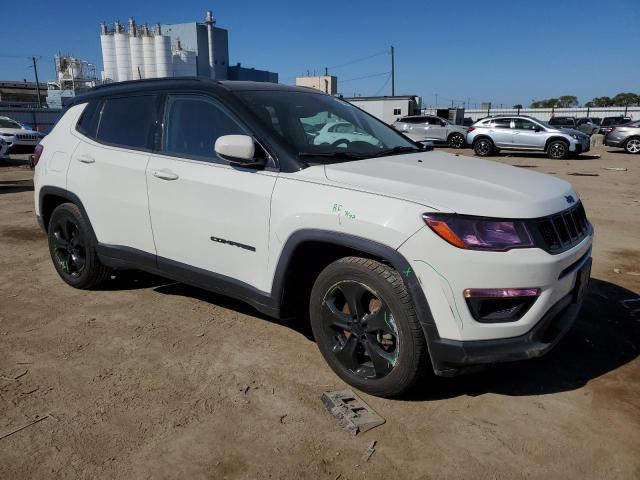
column 88, row 122
column 193, row 123
column 128, row 121
column 501, row 123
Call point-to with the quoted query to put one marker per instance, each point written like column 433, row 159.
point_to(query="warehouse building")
column 171, row 50
column 388, row 109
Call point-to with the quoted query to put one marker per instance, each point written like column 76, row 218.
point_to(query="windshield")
column 323, row 127
column 8, row 123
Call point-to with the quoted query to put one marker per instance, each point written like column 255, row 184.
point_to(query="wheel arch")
column 49, row 198
column 553, row 139
column 307, row 252
column 482, row 137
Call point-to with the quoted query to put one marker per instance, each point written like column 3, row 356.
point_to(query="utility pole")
column 35, row 70
column 436, row 100
column 393, row 72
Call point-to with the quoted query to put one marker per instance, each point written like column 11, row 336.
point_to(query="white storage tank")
column 135, row 48
column 107, row 43
column 123, row 55
column 164, row 67
column 137, row 58
column 149, row 54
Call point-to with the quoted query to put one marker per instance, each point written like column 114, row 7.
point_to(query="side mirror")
column 536, row 129
column 239, row 150
column 442, row 124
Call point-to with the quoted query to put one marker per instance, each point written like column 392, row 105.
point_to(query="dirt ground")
column 151, row 379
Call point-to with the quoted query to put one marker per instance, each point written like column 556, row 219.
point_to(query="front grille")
column 26, row 136
column 563, row 230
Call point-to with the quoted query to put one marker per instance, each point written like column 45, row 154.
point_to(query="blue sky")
column 504, row 51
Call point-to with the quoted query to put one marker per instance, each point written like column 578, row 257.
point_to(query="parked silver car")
column 492, row 134
column 431, row 128
column 625, row 136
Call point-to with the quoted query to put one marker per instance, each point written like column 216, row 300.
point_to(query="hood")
column 569, row 131
column 454, row 183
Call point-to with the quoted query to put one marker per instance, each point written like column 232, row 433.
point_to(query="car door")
column 432, row 129
column 527, row 134
column 501, row 133
column 108, row 170
column 208, row 216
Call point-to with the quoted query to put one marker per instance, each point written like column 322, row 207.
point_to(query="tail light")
column 37, row 153
column 471, row 129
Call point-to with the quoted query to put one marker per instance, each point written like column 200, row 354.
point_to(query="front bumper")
column 456, row 339
column 580, row 146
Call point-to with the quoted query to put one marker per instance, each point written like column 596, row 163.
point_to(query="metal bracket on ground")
column 353, row 414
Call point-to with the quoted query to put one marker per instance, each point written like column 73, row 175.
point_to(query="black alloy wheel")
column 365, row 324
column 558, row 150
column 483, row 147
column 72, row 248
column 456, row 140
column 69, row 249
column 360, row 329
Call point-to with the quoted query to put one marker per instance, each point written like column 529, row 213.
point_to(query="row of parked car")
column 559, row 138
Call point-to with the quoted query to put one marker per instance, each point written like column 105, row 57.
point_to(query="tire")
column 632, row 145
column 557, row 150
column 483, row 147
column 456, row 140
column 72, row 248
column 384, row 352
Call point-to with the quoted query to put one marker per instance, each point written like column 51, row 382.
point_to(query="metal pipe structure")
column 210, row 23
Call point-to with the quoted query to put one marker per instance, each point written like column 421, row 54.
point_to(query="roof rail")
column 151, row 80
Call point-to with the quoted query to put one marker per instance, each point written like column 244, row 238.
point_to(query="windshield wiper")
column 395, row 150
column 337, row 155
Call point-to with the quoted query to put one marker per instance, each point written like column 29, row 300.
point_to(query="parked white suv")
column 403, row 259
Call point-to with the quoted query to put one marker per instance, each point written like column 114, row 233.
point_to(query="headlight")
column 476, row 233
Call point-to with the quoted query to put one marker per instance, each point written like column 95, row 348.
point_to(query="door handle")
column 165, row 174
column 85, row 159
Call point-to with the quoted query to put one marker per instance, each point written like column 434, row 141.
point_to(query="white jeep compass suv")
column 404, row 259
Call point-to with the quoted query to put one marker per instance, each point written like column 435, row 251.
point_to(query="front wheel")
column 558, row 150
column 366, row 327
column 456, row 140
column 632, row 145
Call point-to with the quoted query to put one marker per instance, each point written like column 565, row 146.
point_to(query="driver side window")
column 522, row 124
column 193, row 123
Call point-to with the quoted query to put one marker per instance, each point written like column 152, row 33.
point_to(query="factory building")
column 171, row 50
column 326, row 83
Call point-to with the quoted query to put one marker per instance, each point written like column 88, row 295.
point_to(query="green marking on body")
column 455, row 303
column 407, row 271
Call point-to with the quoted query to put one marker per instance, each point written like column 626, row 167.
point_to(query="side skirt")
column 116, row 256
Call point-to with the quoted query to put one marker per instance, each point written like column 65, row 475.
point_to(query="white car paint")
column 170, row 206
column 14, row 135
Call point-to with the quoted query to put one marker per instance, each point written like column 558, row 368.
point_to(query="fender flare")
column 72, row 198
column 389, row 254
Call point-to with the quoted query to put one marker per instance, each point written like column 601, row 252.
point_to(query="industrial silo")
column 108, row 55
column 148, row 53
column 135, row 48
column 123, row 55
column 162, row 44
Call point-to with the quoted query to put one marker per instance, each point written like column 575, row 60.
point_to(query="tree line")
column 568, row 101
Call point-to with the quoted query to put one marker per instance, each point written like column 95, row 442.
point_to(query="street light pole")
column 35, row 70
column 393, row 72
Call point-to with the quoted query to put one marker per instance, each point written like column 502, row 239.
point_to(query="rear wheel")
column 456, row 140
column 558, row 150
column 632, row 145
column 72, row 249
column 483, row 147
column 366, row 327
